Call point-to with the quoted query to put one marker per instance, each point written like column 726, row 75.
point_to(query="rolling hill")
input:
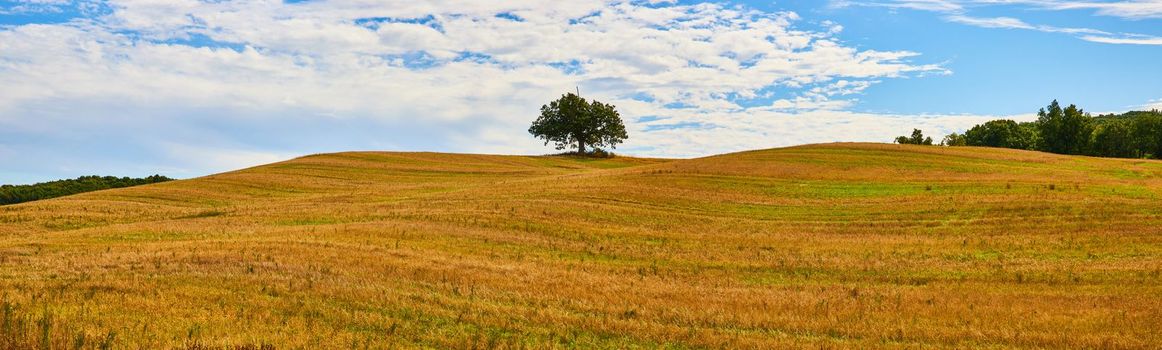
column 827, row 246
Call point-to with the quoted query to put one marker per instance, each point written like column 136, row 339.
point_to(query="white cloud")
column 1132, row 40
column 956, row 11
column 1140, row 9
column 201, row 157
column 997, row 22
column 1014, row 23
column 287, row 46
column 1152, row 105
column 1132, row 9
column 923, row 5
column 199, row 86
column 768, row 127
column 33, row 6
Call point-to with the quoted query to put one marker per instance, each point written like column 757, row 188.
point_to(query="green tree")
column 1064, row 130
column 1114, row 138
column 954, row 139
column 1002, row 133
column 1070, row 130
column 1147, row 133
column 12, row 194
column 1028, row 136
column 917, row 138
column 573, row 122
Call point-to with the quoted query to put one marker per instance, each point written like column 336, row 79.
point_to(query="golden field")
column 821, row 246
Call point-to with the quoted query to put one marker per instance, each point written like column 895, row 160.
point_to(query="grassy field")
column 822, row 246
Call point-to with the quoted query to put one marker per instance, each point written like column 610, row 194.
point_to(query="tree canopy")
column 1069, row 130
column 917, row 138
column 1114, row 139
column 1064, row 130
column 954, row 139
column 12, row 194
column 1002, row 133
column 1146, row 129
column 572, row 122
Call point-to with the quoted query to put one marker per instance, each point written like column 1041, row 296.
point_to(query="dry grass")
column 832, row 246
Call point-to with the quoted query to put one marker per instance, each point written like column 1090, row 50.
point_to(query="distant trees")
column 1002, row 133
column 954, row 139
column 917, row 138
column 1069, row 130
column 1147, row 130
column 12, row 194
column 1064, row 130
column 1114, row 139
column 573, row 122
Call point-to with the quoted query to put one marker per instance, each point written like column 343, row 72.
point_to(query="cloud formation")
column 190, row 87
column 1152, row 105
column 1134, row 9
column 958, row 11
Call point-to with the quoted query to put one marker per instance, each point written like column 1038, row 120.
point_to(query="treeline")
column 12, row 194
column 1067, row 130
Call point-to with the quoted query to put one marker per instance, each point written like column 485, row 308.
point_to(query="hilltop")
column 837, row 245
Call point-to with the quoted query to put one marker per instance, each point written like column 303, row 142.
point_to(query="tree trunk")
column 581, row 146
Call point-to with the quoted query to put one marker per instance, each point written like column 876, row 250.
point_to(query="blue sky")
column 189, row 88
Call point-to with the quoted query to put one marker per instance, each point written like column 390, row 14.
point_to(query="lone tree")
column 573, row 122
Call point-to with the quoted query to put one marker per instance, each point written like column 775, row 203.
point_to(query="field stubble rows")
column 841, row 246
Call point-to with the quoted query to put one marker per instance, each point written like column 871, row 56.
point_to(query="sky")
column 187, row 88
